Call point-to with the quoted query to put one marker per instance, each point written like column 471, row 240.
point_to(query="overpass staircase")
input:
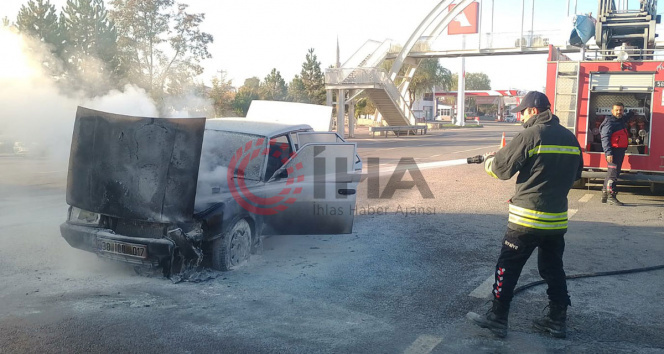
column 361, row 74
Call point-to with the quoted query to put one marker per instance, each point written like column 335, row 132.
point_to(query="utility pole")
column 461, row 95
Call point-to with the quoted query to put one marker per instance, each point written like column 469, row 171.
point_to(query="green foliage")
column 364, row 107
column 274, row 88
column 39, row 19
column 467, row 126
column 474, row 81
column 5, row 21
column 251, row 84
column 90, row 53
column 428, row 74
column 222, row 96
column 242, row 102
column 142, row 26
column 297, row 91
column 189, row 43
column 160, row 43
column 313, row 79
column 247, row 93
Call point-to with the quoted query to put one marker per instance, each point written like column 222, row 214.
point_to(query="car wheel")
column 233, row 248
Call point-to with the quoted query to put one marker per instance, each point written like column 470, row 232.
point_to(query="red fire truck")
column 626, row 67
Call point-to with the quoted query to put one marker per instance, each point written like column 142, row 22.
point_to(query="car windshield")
column 219, row 147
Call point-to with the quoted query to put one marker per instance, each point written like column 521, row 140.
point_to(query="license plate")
column 122, row 248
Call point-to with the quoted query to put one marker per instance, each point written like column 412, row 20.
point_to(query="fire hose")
column 479, row 159
column 591, row 275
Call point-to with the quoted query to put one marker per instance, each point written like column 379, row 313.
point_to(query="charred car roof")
column 243, row 125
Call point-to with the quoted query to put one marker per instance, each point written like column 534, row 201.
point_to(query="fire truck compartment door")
column 628, row 82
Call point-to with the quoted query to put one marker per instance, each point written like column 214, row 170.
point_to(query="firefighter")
column 547, row 157
column 615, row 139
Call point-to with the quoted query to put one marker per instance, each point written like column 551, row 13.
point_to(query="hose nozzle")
column 476, row 159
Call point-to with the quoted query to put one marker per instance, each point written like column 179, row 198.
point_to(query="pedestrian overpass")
column 362, row 73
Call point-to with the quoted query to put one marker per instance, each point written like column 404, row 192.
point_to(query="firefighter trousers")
column 613, row 171
column 516, row 249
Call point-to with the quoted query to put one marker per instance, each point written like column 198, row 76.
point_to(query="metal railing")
column 378, row 55
column 634, row 54
column 370, row 76
column 361, row 54
column 491, row 41
column 369, row 55
column 353, row 76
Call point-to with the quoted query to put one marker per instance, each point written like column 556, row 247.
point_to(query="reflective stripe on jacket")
column 537, row 219
column 548, row 159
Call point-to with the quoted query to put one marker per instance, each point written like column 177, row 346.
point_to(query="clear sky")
column 253, row 36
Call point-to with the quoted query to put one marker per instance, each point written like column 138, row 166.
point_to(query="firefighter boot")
column 605, row 195
column 614, row 201
column 555, row 321
column 495, row 319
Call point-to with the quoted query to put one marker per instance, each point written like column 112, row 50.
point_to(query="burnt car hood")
column 135, row 167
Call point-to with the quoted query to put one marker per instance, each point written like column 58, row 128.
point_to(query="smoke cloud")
column 38, row 112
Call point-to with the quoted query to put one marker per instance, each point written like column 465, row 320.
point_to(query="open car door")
column 304, row 138
column 319, row 186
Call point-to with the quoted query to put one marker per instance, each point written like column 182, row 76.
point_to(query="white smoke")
column 36, row 112
column 188, row 105
column 132, row 100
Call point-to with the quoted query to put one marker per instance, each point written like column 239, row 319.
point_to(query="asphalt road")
column 402, row 282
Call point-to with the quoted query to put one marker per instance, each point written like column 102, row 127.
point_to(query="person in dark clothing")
column 614, row 142
column 547, row 157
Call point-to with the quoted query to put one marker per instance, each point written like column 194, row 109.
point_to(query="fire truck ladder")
column 618, row 25
column 567, row 93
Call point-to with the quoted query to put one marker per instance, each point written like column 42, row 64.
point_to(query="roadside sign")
column 466, row 22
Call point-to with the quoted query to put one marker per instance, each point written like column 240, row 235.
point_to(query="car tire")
column 234, row 248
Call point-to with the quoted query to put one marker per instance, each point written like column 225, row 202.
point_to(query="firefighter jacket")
column 614, row 134
column 548, row 159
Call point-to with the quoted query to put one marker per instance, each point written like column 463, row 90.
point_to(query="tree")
column 91, row 51
column 5, row 21
column 247, row 93
column 38, row 19
column 159, row 44
column 474, row 81
column 428, row 74
column 222, row 96
column 189, row 43
column 251, row 84
column 313, row 79
column 296, row 90
column 242, row 102
column 274, row 87
column 364, row 107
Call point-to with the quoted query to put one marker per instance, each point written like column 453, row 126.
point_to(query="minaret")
column 338, row 54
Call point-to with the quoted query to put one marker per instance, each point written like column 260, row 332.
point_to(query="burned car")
column 174, row 192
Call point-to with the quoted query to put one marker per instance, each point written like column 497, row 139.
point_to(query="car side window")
column 279, row 152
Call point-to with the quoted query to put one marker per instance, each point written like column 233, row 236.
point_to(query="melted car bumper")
column 106, row 244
